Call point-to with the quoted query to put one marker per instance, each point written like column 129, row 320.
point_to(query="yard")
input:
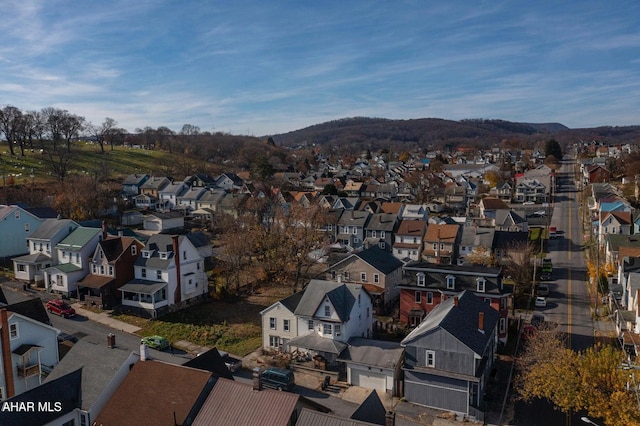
column 231, row 326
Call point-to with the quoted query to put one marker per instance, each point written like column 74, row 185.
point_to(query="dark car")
column 64, row 337
column 60, row 307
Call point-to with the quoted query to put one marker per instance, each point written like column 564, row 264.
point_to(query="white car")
column 541, row 302
column 528, row 203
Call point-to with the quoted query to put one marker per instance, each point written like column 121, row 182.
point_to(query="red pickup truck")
column 60, row 307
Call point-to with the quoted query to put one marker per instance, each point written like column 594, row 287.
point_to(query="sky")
column 267, row 67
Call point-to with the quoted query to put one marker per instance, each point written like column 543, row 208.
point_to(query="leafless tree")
column 10, row 122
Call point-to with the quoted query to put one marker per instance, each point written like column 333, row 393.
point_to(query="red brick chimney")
column 481, row 322
column 455, row 300
column 6, row 353
column 177, row 295
column 104, row 230
column 390, row 418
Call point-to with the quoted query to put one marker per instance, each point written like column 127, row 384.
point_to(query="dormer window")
column 146, row 254
column 451, row 282
column 421, row 279
column 480, row 284
column 163, row 255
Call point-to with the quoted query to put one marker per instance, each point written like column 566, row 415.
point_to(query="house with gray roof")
column 475, row 241
column 280, row 324
column 168, row 195
column 42, row 252
column 351, row 228
column 329, row 314
column 103, row 370
column 169, row 275
column 379, row 230
column 74, row 255
column 16, row 225
column 450, row 355
column 132, row 183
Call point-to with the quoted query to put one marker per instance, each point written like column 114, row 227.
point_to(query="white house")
column 280, row 324
column 169, row 273
column 158, row 222
column 74, row 255
column 42, row 252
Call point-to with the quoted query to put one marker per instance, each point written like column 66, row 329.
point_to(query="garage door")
column 368, row 379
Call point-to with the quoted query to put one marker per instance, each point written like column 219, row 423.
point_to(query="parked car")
column 545, row 276
column 528, row 203
column 541, row 302
column 278, row 378
column 60, row 307
column 64, row 337
column 543, row 290
column 155, row 342
column 233, row 364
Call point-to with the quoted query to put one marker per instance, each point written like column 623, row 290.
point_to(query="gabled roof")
column 135, row 179
column 379, row 259
column 156, row 393
column 445, row 233
column 210, row 361
column 414, row 228
column 372, row 410
column 391, row 207
column 30, row 308
column 341, row 295
column 477, row 236
column 623, row 218
column 315, row 418
column 113, row 247
column 373, row 353
column 233, row 403
column 460, row 320
column 51, row 227
column 198, row 239
column 65, row 390
column 490, row 203
column 354, row 218
column 382, row 222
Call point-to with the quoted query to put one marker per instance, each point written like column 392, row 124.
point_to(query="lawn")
column 231, row 326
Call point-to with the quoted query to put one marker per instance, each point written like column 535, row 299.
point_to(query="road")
column 568, row 301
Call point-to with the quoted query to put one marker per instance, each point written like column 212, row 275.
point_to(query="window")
column 17, row 214
column 159, row 274
column 101, row 269
column 376, row 278
column 13, row 331
column 430, row 359
column 355, row 230
column 429, row 298
column 503, row 303
column 382, row 245
column 326, row 329
column 356, row 240
column 184, row 255
column 451, row 282
column 373, row 234
column 272, row 323
column 363, row 276
column 143, row 272
column 487, row 300
column 480, row 283
column 285, row 325
column 421, row 280
column 274, row 341
column 310, row 324
column 337, row 330
column 441, row 246
column 134, row 250
column 21, row 267
column 333, row 275
column 503, row 322
column 435, row 246
column 198, row 266
column 346, row 275
column 417, row 296
column 26, row 227
column 110, row 270
column 327, row 310
column 382, row 234
column 77, row 257
column 101, row 254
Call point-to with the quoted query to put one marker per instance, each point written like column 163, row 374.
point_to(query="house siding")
column 443, row 393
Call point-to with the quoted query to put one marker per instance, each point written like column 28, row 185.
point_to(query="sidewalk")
column 106, row 319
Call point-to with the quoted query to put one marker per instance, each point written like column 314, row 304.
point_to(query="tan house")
column 441, row 243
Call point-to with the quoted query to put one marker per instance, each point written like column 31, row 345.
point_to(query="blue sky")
column 267, row 67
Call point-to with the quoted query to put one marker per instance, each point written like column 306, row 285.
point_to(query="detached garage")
column 373, row 364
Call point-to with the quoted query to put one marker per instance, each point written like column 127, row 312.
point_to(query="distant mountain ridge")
column 425, row 132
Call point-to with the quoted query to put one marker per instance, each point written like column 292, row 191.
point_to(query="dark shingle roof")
column 31, row 308
column 341, row 295
column 210, row 361
column 380, row 259
column 371, row 410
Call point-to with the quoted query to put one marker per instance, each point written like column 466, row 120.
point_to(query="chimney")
column 177, row 295
column 455, row 300
column 111, row 340
column 144, row 352
column 257, row 379
column 6, row 353
column 481, row 322
column 104, row 230
column 390, row 418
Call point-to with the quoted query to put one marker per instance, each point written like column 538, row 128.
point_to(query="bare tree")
column 53, row 118
column 10, row 122
column 71, row 127
column 102, row 132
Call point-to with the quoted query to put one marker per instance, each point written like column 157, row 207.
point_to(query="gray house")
column 449, row 356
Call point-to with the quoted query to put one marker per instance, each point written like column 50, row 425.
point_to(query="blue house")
column 16, row 225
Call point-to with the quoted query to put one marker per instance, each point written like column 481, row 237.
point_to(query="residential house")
column 489, row 207
column 156, row 393
column 169, row 274
column 230, row 182
column 409, row 239
column 29, row 349
column 353, row 188
column 531, row 190
column 441, row 243
column 615, row 222
column 42, row 252
column 415, row 212
column 102, row 369
column 596, row 174
column 503, row 190
column 427, row 285
column 374, row 364
column 16, row 225
column 154, row 185
column 111, row 267
column 131, row 218
column 74, row 253
column 200, row 180
column 132, row 184
column 347, row 203
column 379, row 230
column 234, row 403
column 377, row 270
column 233, row 204
column 507, row 245
column 168, row 195
column 210, row 199
column 163, row 222
column 450, row 355
column 187, row 201
column 280, row 324
column 476, row 243
column 510, row 221
column 146, row 202
column 351, row 228
column 329, row 314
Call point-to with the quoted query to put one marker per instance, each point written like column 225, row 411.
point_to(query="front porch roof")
column 95, row 281
column 64, row 268
column 23, row 349
column 32, row 258
column 315, row 342
column 143, row 286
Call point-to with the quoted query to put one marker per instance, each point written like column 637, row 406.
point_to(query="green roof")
column 67, row 267
column 78, row 238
